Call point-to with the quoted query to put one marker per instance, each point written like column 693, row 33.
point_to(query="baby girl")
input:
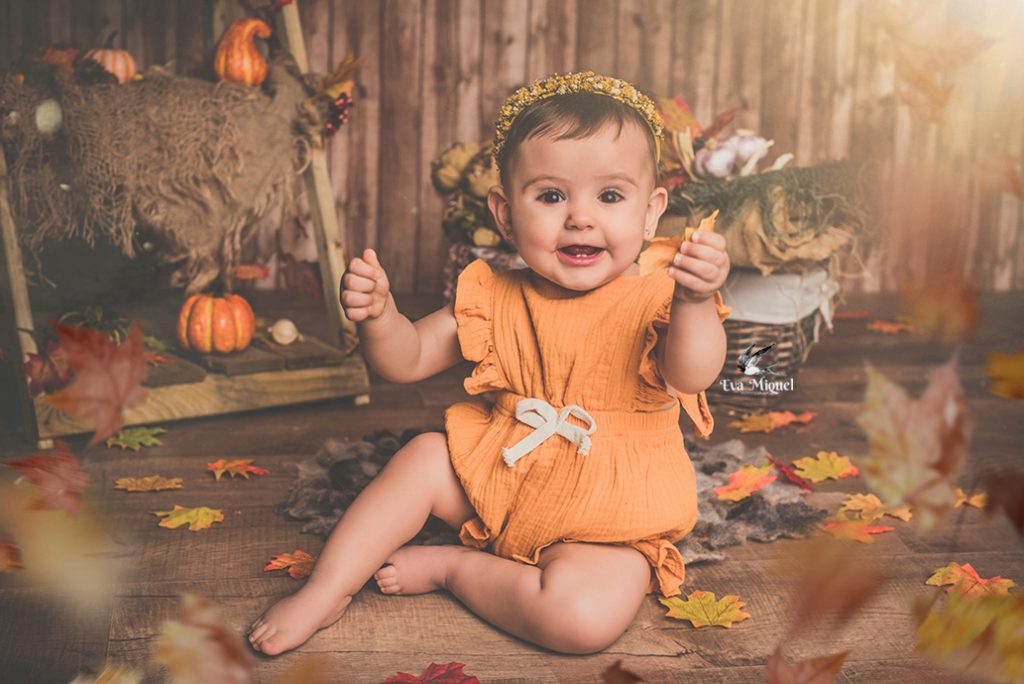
column 570, row 489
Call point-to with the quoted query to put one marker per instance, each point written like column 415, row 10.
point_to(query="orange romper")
column 628, row 480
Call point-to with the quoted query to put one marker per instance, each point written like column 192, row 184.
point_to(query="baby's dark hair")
column 583, row 113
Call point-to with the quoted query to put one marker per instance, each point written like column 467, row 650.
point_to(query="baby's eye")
column 614, row 194
column 547, row 194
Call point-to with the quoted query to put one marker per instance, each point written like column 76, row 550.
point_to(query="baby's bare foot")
column 292, row 620
column 418, row 569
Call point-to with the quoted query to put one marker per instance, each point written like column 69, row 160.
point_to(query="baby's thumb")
column 370, row 257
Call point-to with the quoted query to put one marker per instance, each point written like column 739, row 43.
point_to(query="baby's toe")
column 259, row 633
column 271, row 645
column 256, row 624
column 386, row 572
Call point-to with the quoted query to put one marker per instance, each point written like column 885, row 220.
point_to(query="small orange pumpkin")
column 208, row 323
column 118, row 62
column 237, row 58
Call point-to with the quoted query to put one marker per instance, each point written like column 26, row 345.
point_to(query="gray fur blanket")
column 328, row 482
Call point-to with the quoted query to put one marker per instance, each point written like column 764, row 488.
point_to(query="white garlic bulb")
column 284, row 332
column 49, row 117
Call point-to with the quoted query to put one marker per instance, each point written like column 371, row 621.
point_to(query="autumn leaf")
column 980, row 636
column 978, row 500
column 889, row 327
column 201, row 646
column 917, row 448
column 135, row 438
column 251, row 272
column 869, row 507
column 199, row 518
column 790, row 474
column 702, row 609
column 112, row 674
column 1006, row 371
column 827, row 465
column 842, row 527
column 1006, row 492
column 150, row 483
column 662, row 250
column 771, row 420
column 108, row 377
column 745, row 481
column 449, row 673
column 821, row 670
column 943, row 309
column 58, row 478
column 46, row 372
column 964, row 579
column 235, row 467
column 10, row 556
column 299, row 563
column 616, row 674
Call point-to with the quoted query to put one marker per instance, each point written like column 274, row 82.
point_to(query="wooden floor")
column 43, row 640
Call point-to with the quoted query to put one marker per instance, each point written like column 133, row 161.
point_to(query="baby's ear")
column 497, row 202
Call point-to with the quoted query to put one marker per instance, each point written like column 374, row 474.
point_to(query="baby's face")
column 596, row 192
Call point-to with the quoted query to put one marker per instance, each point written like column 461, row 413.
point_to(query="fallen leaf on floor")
column 616, row 674
column 978, row 637
column 202, row 646
column 977, row 500
column 135, row 438
column 662, row 250
column 702, row 609
column 199, row 518
column 854, row 530
column 917, row 447
column 449, row 673
column 889, row 327
column 298, row 563
column 150, row 483
column 10, row 556
column 826, row 465
column 791, row 474
column 769, row 421
column 964, row 579
column 58, row 478
column 1006, row 371
column 238, row 466
column 869, row 507
column 46, row 372
column 112, row 674
column 821, row 670
column 1006, row 493
column 107, row 377
column 745, row 481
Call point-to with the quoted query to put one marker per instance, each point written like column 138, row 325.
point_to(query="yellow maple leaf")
column 1006, row 371
column 827, row 465
column 978, row 500
column 842, row 527
column 770, row 420
column 197, row 519
column 889, row 327
column 869, row 507
column 701, row 608
column 299, row 563
column 745, row 481
column 821, row 670
column 238, row 466
column 662, row 250
column 917, row 448
column 150, row 483
column 201, row 646
column 964, row 579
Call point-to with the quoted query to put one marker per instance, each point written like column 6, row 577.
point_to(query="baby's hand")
column 364, row 288
column 699, row 267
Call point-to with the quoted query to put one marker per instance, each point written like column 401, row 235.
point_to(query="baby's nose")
column 580, row 216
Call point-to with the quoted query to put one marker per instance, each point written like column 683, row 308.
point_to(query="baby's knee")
column 427, row 451
column 580, row 626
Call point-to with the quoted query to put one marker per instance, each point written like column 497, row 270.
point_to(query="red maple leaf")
column 46, row 372
column 58, row 478
column 791, row 474
column 108, row 377
column 449, row 673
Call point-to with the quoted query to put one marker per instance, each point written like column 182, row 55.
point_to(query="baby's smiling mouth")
column 580, row 250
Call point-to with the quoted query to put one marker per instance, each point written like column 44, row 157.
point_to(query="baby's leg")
column 418, row 481
column 579, row 598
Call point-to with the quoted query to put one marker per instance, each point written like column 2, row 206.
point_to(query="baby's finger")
column 707, row 237
column 371, row 258
column 353, row 298
column 699, row 267
column 351, row 281
column 692, row 282
column 363, row 268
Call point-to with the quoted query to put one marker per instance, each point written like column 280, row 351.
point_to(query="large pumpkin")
column 215, row 324
column 237, row 58
column 118, row 62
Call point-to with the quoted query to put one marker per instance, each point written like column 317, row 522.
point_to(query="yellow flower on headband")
column 576, row 82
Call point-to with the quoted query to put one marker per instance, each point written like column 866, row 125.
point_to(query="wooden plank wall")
column 809, row 74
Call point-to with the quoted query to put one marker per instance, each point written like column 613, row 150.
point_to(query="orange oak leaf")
column 616, row 674
column 108, row 377
column 701, row 608
column 199, row 518
column 917, row 448
column 826, row 465
column 202, row 646
column 965, row 580
column 1006, row 372
column 821, row 670
column 1006, row 492
column 771, row 420
column 150, row 483
column 889, row 327
column 841, row 527
column 449, row 673
column 745, row 481
column 238, row 466
column 978, row 500
column 869, row 507
column 58, row 478
column 298, row 563
column 10, row 556
column 662, row 250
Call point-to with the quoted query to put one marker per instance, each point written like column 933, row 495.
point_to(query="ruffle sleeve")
column 474, row 318
column 695, row 405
